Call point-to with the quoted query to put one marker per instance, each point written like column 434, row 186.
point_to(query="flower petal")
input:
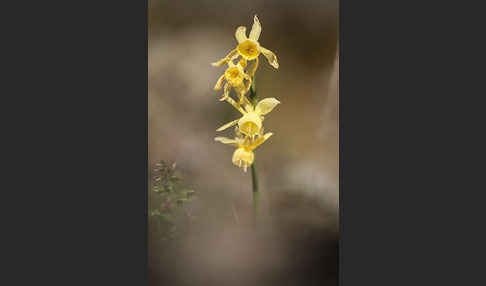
column 271, row 57
column 266, row 105
column 256, row 29
column 243, row 99
column 231, row 55
column 247, row 87
column 219, row 83
column 227, row 89
column 240, row 91
column 225, row 140
column 243, row 158
column 253, row 68
column 240, row 34
column 250, row 124
column 227, row 125
column 260, row 140
column 235, row 105
column 243, row 62
column 249, row 107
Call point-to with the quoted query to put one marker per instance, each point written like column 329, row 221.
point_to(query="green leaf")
column 155, row 212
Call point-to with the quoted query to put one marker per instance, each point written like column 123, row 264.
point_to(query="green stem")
column 254, row 181
column 253, row 95
column 254, row 178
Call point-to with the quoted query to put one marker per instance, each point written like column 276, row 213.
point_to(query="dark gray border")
column 404, row 177
column 78, row 160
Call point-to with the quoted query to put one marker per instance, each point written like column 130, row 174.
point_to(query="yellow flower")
column 251, row 122
column 248, row 47
column 243, row 156
column 235, row 76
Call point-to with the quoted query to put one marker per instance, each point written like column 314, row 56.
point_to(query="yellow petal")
column 266, row 105
column 225, row 140
column 219, row 83
column 253, row 68
column 256, row 29
column 243, row 62
column 231, row 55
column 260, row 140
column 235, row 75
column 243, row 158
column 250, row 124
column 240, row 91
column 220, row 62
column 235, row 105
column 227, row 89
column 229, row 124
column 247, row 87
column 240, row 34
column 271, row 57
column 244, row 99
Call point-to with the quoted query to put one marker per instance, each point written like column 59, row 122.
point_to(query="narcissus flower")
column 235, row 76
column 243, row 156
column 251, row 122
column 248, row 47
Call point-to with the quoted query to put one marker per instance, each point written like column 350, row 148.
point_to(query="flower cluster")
column 239, row 77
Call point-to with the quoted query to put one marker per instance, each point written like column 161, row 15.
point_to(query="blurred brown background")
column 297, row 166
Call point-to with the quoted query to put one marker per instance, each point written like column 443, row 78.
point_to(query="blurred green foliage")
column 169, row 212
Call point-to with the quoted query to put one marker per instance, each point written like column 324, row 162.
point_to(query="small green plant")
column 168, row 200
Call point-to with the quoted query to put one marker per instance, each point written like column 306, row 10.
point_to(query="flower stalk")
column 254, row 177
column 253, row 95
column 255, row 193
